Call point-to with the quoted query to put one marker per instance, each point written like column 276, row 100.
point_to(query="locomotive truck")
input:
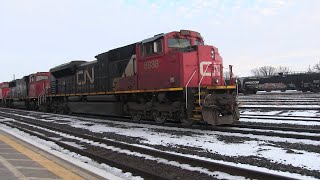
column 167, row 76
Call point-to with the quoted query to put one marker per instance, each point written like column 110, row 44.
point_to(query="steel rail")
column 283, row 118
column 94, row 156
column 214, row 166
column 225, row 128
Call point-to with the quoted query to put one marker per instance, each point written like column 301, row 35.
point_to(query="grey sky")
column 36, row 35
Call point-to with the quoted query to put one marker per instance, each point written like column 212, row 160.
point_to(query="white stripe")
column 11, row 168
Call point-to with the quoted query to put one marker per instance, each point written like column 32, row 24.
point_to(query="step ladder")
column 42, row 98
column 196, row 112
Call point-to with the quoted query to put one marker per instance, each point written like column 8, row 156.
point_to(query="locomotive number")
column 154, row 64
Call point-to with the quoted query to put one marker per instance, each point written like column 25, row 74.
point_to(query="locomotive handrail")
column 5, row 98
column 41, row 95
column 187, row 87
column 199, row 89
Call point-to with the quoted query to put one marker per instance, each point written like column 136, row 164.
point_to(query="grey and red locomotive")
column 168, row 76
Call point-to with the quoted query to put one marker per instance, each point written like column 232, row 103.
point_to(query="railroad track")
column 281, row 117
column 36, row 128
column 274, row 103
column 295, row 133
column 278, row 107
column 282, row 100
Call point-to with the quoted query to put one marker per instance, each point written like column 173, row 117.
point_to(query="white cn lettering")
column 91, row 78
column 204, row 68
column 86, row 75
column 78, row 79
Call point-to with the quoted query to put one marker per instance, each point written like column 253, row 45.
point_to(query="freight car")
column 298, row 81
column 168, row 76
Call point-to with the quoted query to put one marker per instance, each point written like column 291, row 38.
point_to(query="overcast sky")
column 36, row 35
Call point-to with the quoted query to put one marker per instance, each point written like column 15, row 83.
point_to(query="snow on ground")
column 102, row 170
column 315, row 119
column 279, row 92
column 260, row 146
column 309, row 113
column 209, row 141
column 279, row 106
column 280, row 121
column 243, row 149
column 279, row 131
column 216, row 174
column 313, row 114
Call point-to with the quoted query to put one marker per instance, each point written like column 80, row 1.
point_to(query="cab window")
column 151, row 48
column 4, row 86
column 40, row 78
column 178, row 43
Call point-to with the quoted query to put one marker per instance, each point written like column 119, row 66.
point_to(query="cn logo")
column 83, row 75
column 204, row 68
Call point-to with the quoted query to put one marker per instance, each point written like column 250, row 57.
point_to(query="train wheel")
column 159, row 117
column 136, row 116
column 186, row 121
column 183, row 117
column 70, row 112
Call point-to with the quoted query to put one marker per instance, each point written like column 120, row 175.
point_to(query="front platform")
column 20, row 160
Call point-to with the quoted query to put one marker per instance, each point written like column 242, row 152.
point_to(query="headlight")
column 216, row 80
column 212, row 54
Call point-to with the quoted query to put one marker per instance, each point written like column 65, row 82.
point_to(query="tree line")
column 270, row 70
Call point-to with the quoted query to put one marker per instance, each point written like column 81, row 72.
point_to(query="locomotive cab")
column 181, row 60
column 172, row 58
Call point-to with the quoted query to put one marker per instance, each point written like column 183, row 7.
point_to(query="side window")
column 151, row 48
column 142, row 50
column 157, row 46
column 32, row 79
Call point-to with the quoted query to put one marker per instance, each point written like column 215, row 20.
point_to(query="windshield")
column 4, row 86
column 39, row 78
column 178, row 43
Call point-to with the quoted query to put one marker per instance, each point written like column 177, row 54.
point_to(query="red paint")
column 173, row 68
column 38, row 83
column 4, row 90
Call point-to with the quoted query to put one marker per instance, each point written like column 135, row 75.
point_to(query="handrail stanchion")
column 199, row 89
column 187, row 87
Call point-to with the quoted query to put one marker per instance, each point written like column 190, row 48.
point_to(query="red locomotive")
column 168, row 76
column 28, row 91
column 4, row 91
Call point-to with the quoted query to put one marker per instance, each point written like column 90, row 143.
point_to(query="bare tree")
column 255, row 72
column 310, row 70
column 283, row 70
column 264, row 71
column 317, row 67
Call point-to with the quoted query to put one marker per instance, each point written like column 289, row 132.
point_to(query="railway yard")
column 277, row 137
